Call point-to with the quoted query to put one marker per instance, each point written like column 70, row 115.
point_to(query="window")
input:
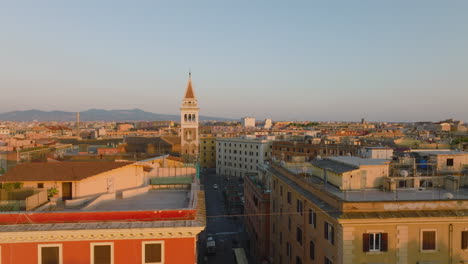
column 288, row 249
column 428, row 240
column 329, row 233
column 298, row 260
column 327, row 261
column 374, row 242
column 40, row 185
column 312, row 218
column 281, row 238
column 281, row 190
column 449, row 162
column 312, row 250
column 153, row 252
column 299, row 235
column 50, row 254
column 464, row 239
column 289, row 197
column 102, row 253
column 289, row 223
column 299, row 206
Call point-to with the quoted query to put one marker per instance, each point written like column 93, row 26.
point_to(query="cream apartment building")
column 240, row 156
column 313, row 222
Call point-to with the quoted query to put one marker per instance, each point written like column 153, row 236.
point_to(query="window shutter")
column 365, row 242
column 50, row 255
column 314, row 216
column 384, row 242
column 102, row 254
column 332, row 235
column 325, row 229
column 464, row 242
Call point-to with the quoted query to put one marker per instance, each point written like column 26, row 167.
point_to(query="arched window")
column 185, row 117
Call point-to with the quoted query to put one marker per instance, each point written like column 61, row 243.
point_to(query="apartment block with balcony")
column 314, row 219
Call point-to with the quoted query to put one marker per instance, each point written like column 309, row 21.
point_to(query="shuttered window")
column 374, row 242
column 329, row 233
column 101, row 253
column 153, row 252
column 464, row 239
column 312, row 218
column 50, row 254
column 428, row 240
column 312, row 250
column 299, row 235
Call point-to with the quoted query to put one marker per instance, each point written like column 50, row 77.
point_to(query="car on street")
column 210, row 245
column 215, row 186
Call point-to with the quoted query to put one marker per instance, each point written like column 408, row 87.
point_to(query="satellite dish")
column 404, row 173
column 448, row 196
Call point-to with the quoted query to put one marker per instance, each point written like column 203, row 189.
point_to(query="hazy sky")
column 313, row 60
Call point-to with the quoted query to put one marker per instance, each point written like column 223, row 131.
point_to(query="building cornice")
column 99, row 235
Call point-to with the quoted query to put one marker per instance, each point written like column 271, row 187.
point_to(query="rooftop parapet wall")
column 86, row 217
column 405, row 206
column 315, row 189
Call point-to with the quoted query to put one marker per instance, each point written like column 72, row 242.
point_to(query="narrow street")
column 227, row 231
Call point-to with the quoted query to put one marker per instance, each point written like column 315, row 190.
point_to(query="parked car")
column 210, row 245
column 215, row 186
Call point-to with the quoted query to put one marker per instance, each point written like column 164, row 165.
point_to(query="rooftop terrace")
column 370, row 195
column 152, row 200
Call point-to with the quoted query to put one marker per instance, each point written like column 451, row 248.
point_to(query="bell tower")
column 189, row 138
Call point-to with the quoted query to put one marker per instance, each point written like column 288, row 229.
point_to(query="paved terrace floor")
column 152, row 200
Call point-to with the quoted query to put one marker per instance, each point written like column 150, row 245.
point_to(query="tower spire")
column 189, row 94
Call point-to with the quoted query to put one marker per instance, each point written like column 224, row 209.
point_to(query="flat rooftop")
column 152, row 200
column 154, row 205
column 357, row 161
column 441, row 152
column 372, row 195
column 402, row 194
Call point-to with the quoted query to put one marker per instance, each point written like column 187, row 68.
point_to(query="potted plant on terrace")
column 52, row 194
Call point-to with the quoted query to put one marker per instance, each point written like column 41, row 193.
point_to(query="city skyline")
column 381, row 61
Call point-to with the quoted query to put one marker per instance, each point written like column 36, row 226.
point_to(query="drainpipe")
column 450, row 242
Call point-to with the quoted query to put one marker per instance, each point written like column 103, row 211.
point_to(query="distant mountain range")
column 93, row 115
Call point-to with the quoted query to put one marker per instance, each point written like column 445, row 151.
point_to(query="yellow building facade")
column 208, row 152
column 312, row 222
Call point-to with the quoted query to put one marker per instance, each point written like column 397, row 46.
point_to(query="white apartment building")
column 248, row 121
column 376, row 153
column 238, row 156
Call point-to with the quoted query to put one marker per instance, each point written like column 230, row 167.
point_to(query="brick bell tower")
column 189, row 138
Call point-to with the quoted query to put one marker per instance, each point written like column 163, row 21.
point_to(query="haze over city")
column 384, row 61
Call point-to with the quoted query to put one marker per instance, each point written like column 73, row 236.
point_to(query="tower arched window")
column 185, row 117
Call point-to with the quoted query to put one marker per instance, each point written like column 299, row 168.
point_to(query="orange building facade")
column 124, row 251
